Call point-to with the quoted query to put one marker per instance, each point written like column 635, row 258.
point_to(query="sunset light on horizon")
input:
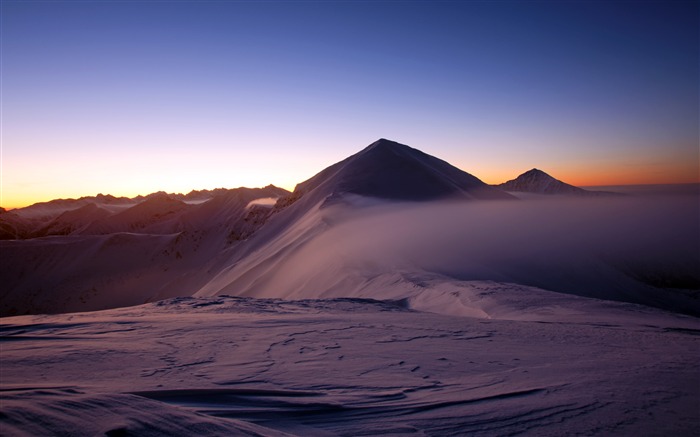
column 130, row 98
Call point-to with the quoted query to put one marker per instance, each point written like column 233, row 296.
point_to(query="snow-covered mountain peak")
column 390, row 170
column 539, row 182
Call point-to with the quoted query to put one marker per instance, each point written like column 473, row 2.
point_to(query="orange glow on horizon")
column 574, row 176
column 588, row 178
column 31, row 182
column 9, row 202
column 607, row 173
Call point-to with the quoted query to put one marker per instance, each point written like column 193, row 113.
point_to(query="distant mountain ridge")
column 157, row 213
column 538, row 182
column 42, row 209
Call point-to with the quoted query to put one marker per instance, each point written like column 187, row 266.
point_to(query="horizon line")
column 26, row 205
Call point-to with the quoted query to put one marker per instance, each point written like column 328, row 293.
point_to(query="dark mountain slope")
column 389, row 170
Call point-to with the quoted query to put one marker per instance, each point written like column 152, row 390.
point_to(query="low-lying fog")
column 589, row 246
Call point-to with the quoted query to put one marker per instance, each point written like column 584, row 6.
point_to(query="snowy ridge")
column 350, row 248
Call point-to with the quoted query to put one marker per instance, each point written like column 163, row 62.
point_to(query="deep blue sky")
column 130, row 97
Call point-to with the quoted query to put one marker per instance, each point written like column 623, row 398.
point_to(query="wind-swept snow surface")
column 240, row 366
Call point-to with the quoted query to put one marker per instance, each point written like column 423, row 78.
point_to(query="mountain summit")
column 537, row 181
column 390, row 170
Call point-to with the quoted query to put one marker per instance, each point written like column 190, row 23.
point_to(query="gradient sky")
column 132, row 97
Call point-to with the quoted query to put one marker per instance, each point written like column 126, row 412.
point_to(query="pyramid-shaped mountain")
column 539, row 182
column 389, row 170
